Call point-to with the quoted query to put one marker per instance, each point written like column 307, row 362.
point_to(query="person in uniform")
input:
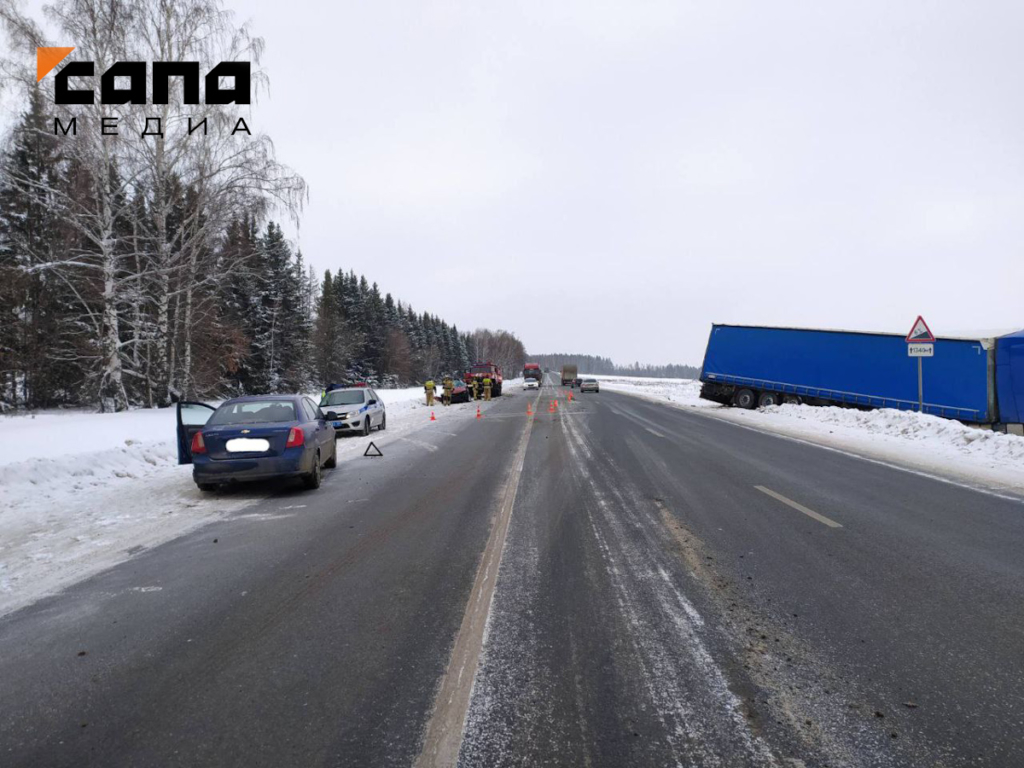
column 430, row 388
column 475, row 386
column 487, row 388
column 447, row 386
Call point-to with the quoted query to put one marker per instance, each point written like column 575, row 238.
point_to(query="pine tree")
column 37, row 335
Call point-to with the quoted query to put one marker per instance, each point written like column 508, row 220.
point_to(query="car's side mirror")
column 373, row 402
column 331, row 415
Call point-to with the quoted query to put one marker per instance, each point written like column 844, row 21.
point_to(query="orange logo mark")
column 48, row 58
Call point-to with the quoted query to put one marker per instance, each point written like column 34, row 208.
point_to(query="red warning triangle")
column 48, row 58
column 920, row 333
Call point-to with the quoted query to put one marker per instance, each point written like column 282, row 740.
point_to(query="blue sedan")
column 255, row 438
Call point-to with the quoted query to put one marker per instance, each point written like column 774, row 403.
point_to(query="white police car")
column 355, row 409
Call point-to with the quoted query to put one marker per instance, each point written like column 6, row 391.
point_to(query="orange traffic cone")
column 478, row 412
column 529, row 411
column 432, row 416
column 570, row 396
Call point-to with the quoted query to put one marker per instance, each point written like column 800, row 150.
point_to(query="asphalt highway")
column 608, row 582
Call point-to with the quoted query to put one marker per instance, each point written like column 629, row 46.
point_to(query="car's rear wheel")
column 332, row 462
column 207, row 487
column 312, row 480
column 383, row 423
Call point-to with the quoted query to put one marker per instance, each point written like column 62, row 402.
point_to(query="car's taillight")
column 198, row 445
column 296, row 437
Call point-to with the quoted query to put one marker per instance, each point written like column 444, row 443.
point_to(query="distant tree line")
column 604, row 366
column 361, row 335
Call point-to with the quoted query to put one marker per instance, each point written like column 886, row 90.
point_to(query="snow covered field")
column 924, row 443
column 82, row 491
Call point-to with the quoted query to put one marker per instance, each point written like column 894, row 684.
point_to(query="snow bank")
column 82, row 491
column 918, row 441
column 683, row 392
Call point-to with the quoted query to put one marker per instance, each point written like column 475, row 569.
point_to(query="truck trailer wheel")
column 791, row 399
column 745, row 398
column 768, row 398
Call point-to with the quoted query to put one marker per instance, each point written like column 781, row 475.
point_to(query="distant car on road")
column 531, row 383
column 589, row 385
column 255, row 438
column 354, row 410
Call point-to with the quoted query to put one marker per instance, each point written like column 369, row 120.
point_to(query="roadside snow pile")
column 927, row 443
column 81, row 491
column 684, row 392
column 78, row 490
column 918, row 441
column 913, row 427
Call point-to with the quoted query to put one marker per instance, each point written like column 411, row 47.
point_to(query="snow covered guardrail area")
column 930, row 444
column 81, row 491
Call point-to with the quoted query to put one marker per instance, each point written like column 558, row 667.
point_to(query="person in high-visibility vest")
column 487, row 388
column 447, row 387
column 430, row 388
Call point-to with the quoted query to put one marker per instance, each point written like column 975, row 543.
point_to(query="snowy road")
column 673, row 589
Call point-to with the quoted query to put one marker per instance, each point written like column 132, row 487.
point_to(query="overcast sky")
column 611, row 178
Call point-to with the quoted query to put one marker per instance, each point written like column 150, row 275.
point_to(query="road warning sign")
column 373, row 447
column 920, row 333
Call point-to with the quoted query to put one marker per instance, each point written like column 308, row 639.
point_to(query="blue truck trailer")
column 977, row 381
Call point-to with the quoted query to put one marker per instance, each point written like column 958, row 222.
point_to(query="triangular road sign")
column 48, row 58
column 373, row 447
column 920, row 333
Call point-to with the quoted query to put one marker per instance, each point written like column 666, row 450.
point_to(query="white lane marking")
column 444, row 731
column 653, row 432
column 419, row 443
column 799, row 507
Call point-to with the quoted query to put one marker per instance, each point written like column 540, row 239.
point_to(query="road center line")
column 443, row 735
column 799, row 507
column 656, row 434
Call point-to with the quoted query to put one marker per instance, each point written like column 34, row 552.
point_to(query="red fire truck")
column 481, row 371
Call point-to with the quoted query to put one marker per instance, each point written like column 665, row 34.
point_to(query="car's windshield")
column 344, row 397
column 253, row 412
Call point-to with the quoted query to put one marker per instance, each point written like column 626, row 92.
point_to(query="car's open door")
column 191, row 418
